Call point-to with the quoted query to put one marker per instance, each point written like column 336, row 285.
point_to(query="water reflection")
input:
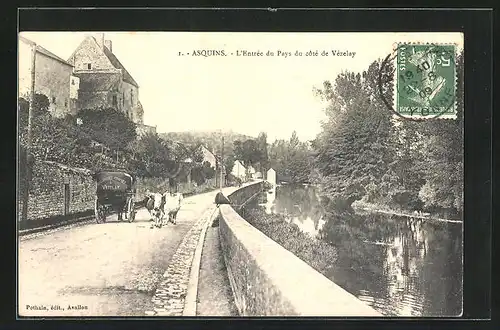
column 401, row 266
column 301, row 206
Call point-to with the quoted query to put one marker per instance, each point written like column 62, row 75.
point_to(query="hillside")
column 211, row 139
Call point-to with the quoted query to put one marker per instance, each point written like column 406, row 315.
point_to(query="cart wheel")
column 100, row 212
column 130, row 211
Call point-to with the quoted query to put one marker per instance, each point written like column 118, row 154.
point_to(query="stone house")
column 209, row 156
column 104, row 81
column 239, row 170
column 53, row 78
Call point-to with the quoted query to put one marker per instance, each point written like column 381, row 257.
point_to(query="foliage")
column 210, row 139
column 362, row 152
column 291, row 159
column 157, row 157
column 442, row 161
column 262, row 148
column 353, row 152
column 247, row 151
column 26, row 162
column 108, row 126
column 200, row 174
column 317, row 253
column 40, row 107
column 229, row 163
column 197, row 155
column 252, row 152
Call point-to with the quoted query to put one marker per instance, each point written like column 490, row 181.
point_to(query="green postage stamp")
column 426, row 81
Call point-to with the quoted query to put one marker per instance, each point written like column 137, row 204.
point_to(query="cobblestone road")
column 112, row 269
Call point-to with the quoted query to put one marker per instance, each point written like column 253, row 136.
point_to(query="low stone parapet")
column 268, row 280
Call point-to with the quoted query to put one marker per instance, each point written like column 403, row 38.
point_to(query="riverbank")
column 378, row 253
column 318, row 254
column 373, row 208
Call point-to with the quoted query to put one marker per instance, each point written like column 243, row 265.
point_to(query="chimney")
column 100, row 40
column 109, row 45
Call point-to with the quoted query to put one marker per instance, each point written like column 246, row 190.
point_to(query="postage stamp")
column 425, row 80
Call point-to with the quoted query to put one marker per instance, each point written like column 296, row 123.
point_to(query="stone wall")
column 57, row 189
column 52, row 79
column 241, row 196
column 131, row 100
column 90, row 52
column 268, row 280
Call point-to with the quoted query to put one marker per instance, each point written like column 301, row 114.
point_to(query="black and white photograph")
column 236, row 174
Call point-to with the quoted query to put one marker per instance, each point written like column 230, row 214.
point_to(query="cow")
column 155, row 204
column 172, row 206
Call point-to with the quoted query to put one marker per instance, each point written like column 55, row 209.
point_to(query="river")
column 401, row 266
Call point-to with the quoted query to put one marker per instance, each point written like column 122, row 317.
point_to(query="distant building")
column 257, row 175
column 251, row 170
column 53, row 78
column 271, row 176
column 209, row 156
column 104, row 81
column 239, row 170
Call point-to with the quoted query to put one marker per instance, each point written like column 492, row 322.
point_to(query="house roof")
column 117, row 64
column 44, row 51
column 203, row 147
column 239, row 162
column 127, row 77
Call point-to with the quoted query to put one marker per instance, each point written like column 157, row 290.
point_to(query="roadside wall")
column 268, row 280
column 161, row 185
column 58, row 191
column 54, row 186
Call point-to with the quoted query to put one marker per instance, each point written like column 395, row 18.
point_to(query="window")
column 72, row 81
column 123, row 99
column 89, row 66
column 66, row 102
column 53, row 99
column 131, row 97
column 115, row 102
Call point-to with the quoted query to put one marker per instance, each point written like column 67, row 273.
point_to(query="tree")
column 278, row 155
column 200, row 174
column 229, row 163
column 153, row 156
column 263, row 153
column 247, row 151
column 109, row 127
column 291, row 158
column 40, row 107
column 442, row 161
column 352, row 152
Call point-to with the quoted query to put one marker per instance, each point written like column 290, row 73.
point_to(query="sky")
column 243, row 94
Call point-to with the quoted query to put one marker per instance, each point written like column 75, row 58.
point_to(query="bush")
column 267, row 185
column 318, row 254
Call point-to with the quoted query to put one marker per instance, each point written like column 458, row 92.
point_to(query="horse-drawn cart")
column 115, row 191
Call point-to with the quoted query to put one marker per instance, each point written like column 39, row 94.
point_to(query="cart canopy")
column 118, row 181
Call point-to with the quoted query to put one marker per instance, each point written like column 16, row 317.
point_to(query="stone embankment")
column 268, row 280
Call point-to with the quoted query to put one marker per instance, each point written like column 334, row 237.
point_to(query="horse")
column 155, row 204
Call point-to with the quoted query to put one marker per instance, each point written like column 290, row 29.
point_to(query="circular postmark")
column 424, row 81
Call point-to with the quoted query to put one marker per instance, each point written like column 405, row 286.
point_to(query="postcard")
column 238, row 174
